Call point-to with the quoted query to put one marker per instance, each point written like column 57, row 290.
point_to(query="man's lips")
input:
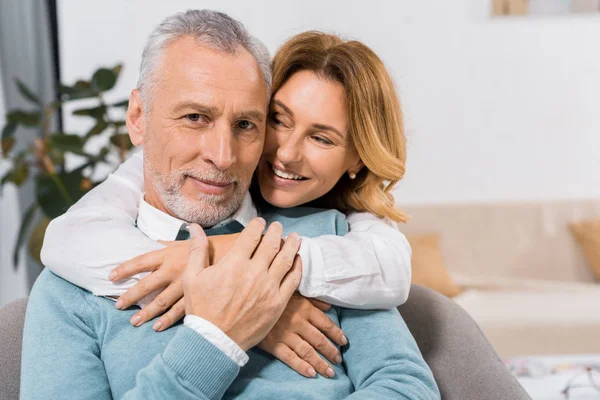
column 211, row 187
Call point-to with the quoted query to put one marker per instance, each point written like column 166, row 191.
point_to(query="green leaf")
column 9, row 130
column 95, row 112
column 36, row 239
column 104, row 79
column 56, row 193
column 27, row 218
column 7, row 145
column 20, row 171
column 27, row 93
column 27, row 118
column 81, row 90
column 117, row 70
column 124, row 104
column 72, row 143
column 122, row 141
column 97, row 129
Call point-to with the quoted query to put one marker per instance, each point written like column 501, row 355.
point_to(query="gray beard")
column 206, row 210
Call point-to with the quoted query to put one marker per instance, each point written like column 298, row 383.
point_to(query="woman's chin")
column 281, row 200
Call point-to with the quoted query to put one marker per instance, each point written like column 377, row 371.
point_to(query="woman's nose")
column 290, row 149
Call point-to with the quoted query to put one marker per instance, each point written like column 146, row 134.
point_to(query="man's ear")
column 136, row 121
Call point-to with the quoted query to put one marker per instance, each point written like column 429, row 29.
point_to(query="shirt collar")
column 159, row 225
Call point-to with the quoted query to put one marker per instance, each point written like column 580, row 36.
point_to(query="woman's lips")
column 209, row 187
column 281, row 182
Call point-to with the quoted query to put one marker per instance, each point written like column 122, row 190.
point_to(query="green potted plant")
column 42, row 159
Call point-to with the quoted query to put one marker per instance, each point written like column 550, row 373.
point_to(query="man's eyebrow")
column 285, row 108
column 330, row 128
column 254, row 115
column 199, row 107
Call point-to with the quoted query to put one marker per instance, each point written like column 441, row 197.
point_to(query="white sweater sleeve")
column 368, row 268
column 98, row 233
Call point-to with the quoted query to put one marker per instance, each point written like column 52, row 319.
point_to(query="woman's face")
column 307, row 146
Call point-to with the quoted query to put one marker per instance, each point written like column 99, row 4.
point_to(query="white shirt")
column 369, row 268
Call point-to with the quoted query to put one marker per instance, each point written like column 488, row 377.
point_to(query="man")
column 200, row 113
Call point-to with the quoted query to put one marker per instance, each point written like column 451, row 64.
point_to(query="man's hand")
column 245, row 293
column 300, row 330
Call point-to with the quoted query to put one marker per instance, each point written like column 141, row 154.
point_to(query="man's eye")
column 245, row 125
column 194, row 117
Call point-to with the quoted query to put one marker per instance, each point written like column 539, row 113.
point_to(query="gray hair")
column 212, row 28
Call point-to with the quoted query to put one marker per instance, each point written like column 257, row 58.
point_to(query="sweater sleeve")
column 366, row 268
column 98, row 233
column 387, row 365
column 61, row 355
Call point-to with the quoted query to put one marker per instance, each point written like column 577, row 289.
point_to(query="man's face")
column 204, row 133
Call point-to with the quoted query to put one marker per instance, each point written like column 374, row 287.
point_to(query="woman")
column 333, row 140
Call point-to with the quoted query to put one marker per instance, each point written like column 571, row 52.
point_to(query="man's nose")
column 220, row 148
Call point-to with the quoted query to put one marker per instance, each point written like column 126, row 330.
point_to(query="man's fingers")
column 290, row 283
column 282, row 263
column 248, row 239
column 324, row 324
column 144, row 287
column 198, row 258
column 319, row 341
column 286, row 355
column 307, row 353
column 269, row 245
column 159, row 305
column 144, row 263
column 321, row 305
column 170, row 317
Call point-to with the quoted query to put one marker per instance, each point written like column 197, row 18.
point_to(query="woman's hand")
column 300, row 330
column 167, row 266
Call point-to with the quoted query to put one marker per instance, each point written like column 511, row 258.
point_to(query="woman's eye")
column 275, row 120
column 245, row 125
column 322, row 140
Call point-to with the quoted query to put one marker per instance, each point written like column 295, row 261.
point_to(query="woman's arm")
column 98, row 233
column 368, row 268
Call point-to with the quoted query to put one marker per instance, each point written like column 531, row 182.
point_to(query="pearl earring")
column 352, row 175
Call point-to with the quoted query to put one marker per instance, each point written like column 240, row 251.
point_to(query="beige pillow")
column 428, row 267
column 587, row 234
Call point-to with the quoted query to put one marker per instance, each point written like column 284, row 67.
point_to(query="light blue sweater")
column 78, row 346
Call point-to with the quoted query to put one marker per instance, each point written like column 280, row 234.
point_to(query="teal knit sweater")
column 78, row 346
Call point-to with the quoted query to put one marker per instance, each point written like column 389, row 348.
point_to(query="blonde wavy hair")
column 375, row 118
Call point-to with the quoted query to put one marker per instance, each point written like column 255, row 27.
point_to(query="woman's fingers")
column 176, row 313
column 324, row 324
column 165, row 300
column 145, row 263
column 286, row 355
column 321, row 305
column 307, row 353
column 319, row 342
column 155, row 281
column 198, row 255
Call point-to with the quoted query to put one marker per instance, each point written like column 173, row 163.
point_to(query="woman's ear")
column 135, row 119
column 356, row 168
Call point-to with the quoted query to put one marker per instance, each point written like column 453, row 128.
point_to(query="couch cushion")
column 428, row 268
column 12, row 318
column 528, row 240
column 587, row 234
column 537, row 322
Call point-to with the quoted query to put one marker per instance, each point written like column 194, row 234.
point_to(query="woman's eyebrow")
column 285, row 108
column 329, row 128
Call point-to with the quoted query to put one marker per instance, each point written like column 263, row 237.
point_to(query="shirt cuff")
column 217, row 337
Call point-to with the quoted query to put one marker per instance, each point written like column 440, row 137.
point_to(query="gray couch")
column 462, row 360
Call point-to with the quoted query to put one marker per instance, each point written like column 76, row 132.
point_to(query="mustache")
column 212, row 175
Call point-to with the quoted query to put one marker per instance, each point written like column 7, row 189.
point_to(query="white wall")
column 503, row 109
column 12, row 282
